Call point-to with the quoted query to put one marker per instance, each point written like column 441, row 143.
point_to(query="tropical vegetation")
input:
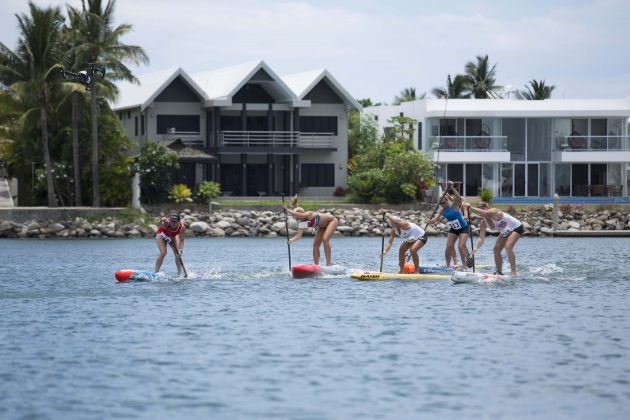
column 44, row 129
column 537, row 90
column 457, row 88
column 156, row 166
column 388, row 168
column 407, row 95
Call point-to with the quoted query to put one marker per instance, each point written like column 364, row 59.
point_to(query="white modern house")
column 253, row 131
column 520, row 148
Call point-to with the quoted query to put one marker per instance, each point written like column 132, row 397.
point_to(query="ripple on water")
column 241, row 339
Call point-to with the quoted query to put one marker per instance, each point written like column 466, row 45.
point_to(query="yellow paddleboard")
column 375, row 275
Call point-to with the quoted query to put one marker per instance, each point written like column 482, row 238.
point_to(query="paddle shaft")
column 181, row 262
column 436, row 209
column 286, row 222
column 382, row 243
column 470, row 233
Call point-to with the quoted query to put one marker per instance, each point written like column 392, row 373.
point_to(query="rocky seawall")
column 352, row 222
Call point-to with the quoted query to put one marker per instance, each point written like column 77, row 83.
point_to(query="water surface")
column 241, row 339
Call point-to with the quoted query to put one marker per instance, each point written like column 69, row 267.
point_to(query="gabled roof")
column 217, row 87
column 303, row 83
column 221, row 84
column 132, row 95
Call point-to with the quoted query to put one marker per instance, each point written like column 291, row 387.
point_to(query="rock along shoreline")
column 355, row 222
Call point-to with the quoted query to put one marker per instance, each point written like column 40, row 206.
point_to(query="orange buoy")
column 410, row 267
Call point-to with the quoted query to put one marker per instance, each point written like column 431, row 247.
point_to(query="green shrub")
column 366, row 185
column 180, row 193
column 207, row 190
column 485, row 195
column 156, row 166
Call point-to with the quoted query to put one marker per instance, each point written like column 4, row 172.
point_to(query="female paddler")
column 508, row 226
column 457, row 223
column 325, row 225
column 171, row 232
column 413, row 237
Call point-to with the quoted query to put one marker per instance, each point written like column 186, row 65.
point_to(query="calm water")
column 244, row 340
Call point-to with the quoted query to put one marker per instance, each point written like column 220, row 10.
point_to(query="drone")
column 84, row 77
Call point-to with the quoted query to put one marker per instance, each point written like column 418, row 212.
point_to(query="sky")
column 375, row 48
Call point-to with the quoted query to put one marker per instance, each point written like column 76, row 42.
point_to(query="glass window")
column 579, row 175
column 579, row 127
column 563, row 179
column 598, row 134
column 544, row 185
column 488, row 177
column 325, row 124
column 455, row 173
column 473, row 179
column 614, row 173
column 563, row 131
column 180, row 123
column 318, row 174
column 614, row 134
column 598, row 174
column 506, row 180
column 519, row 179
column 514, row 130
column 532, row 180
column 539, row 139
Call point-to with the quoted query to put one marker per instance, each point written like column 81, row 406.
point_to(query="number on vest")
column 454, row 224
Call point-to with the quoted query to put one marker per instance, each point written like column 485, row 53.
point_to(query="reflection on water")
column 241, row 339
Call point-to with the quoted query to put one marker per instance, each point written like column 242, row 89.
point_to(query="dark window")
column 419, row 136
column 231, row 123
column 142, row 125
column 181, row 123
column 318, row 174
column 128, row 115
column 318, row 125
column 135, row 120
column 120, row 116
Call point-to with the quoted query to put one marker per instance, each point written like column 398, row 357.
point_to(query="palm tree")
column 407, row 95
column 28, row 72
column 100, row 43
column 457, row 88
column 482, row 78
column 72, row 60
column 538, row 91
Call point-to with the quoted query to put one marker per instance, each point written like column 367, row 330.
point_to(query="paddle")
column 286, row 220
column 182, row 264
column 470, row 233
column 436, row 209
column 382, row 242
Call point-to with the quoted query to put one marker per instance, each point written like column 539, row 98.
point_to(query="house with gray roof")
column 256, row 133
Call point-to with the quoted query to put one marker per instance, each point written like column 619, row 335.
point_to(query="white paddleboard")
column 474, row 277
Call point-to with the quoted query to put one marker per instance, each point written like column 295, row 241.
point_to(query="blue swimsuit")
column 455, row 220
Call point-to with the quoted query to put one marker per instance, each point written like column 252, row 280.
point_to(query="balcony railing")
column 316, row 140
column 275, row 139
column 592, row 143
column 470, row 143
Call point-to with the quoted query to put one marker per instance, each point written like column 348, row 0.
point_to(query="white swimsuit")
column 412, row 234
column 507, row 224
